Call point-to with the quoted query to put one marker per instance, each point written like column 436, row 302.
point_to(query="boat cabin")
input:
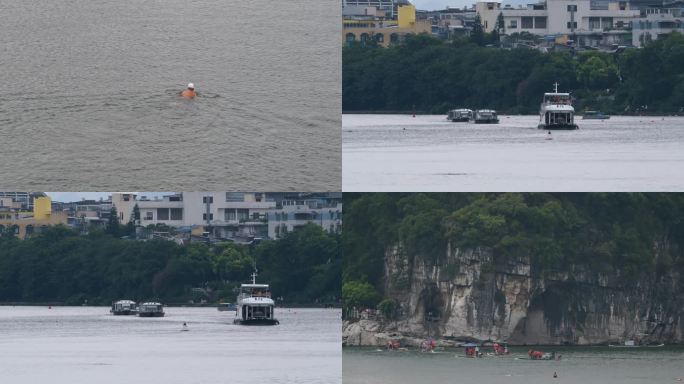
column 559, row 117
column 255, row 290
column 557, row 98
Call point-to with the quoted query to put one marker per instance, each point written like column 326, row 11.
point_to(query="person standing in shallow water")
column 189, row 93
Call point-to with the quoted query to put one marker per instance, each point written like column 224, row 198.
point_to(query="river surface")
column 428, row 153
column 90, row 96
column 577, row 365
column 74, row 345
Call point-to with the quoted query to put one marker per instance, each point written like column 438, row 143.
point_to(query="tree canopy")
column 608, row 232
column 435, row 75
column 60, row 265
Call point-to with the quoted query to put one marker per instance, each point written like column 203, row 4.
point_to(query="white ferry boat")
column 254, row 305
column 124, row 307
column 556, row 111
column 460, row 115
column 151, row 309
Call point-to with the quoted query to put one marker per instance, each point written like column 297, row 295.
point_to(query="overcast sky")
column 67, row 197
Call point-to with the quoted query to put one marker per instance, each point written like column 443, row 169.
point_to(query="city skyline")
column 430, row 5
column 68, row 197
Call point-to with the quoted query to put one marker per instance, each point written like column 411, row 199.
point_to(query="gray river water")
column 74, row 345
column 427, row 153
column 90, row 95
column 586, row 365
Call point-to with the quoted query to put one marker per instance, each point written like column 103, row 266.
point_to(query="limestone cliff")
column 464, row 296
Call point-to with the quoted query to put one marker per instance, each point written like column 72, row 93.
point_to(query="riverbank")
column 373, row 333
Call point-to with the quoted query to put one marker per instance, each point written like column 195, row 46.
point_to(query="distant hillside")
column 532, row 268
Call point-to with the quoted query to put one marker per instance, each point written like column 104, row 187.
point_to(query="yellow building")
column 26, row 223
column 407, row 16
column 385, row 32
column 42, row 208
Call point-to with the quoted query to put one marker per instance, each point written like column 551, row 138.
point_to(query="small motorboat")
column 226, row 307
column 595, row 115
column 460, row 115
column 124, row 308
column 151, row 309
column 485, row 116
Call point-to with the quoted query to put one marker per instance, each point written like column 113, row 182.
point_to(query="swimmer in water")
column 190, row 92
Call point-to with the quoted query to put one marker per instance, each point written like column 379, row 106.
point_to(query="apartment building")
column 235, row 216
column 657, row 21
column 586, row 22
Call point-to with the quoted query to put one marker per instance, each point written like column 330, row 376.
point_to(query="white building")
column 326, row 213
column 237, row 216
column 658, row 21
column 587, row 21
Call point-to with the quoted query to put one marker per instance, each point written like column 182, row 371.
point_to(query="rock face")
column 464, row 297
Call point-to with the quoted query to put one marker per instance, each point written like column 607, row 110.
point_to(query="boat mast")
column 555, row 87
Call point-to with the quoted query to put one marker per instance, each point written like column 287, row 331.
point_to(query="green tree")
column 500, row 24
column 359, row 294
column 113, row 223
column 477, row 35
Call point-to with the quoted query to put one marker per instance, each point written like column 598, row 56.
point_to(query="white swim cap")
column 191, row 85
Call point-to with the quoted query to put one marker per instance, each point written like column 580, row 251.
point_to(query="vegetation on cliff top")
column 428, row 74
column 59, row 265
column 630, row 234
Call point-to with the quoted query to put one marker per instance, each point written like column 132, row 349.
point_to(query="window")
column 162, row 213
column 243, row 214
column 513, row 24
column 380, row 38
column 572, row 8
column 572, row 24
column 594, row 23
column 208, row 199
column 607, row 22
column 229, row 215
column 234, row 196
column 526, row 22
column 149, row 215
column 620, row 24
column 540, row 22
column 211, row 216
column 176, row 213
column 622, row 5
